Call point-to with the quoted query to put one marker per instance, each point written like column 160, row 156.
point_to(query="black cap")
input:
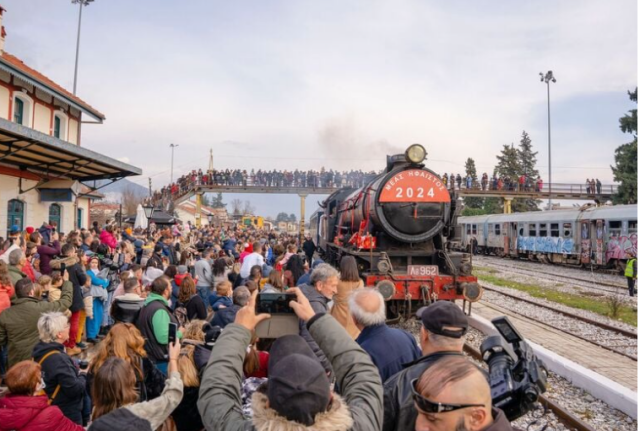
column 444, row 314
column 289, row 345
column 298, row 388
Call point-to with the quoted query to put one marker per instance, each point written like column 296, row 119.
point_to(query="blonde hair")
column 187, row 367
column 50, row 325
column 44, row 280
column 222, row 288
column 193, row 330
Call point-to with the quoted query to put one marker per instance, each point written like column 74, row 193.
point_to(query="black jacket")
column 399, row 410
column 59, row 369
column 196, row 308
column 186, row 415
column 225, row 316
column 309, row 248
column 78, row 277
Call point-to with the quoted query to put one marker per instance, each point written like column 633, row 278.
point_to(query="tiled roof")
column 34, row 74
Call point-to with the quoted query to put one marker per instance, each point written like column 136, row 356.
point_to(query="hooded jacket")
column 19, row 323
column 59, row 369
column 47, row 252
column 78, row 277
column 24, row 413
column 358, row 408
column 225, row 316
column 15, row 274
column 320, row 304
column 108, row 239
column 6, row 292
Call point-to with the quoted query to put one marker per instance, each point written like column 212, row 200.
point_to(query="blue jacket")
column 225, row 316
column 389, row 348
column 216, row 301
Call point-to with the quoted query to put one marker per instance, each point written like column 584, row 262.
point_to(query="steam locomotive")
column 399, row 226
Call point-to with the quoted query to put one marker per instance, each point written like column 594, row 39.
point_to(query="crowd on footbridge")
column 333, row 179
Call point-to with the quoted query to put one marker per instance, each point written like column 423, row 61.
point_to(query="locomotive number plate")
column 422, row 270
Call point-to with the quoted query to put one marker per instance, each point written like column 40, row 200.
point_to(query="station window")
column 468, row 229
column 60, row 122
column 22, row 107
column 474, row 229
column 555, row 230
column 566, row 227
column 496, row 229
column 532, row 229
column 633, row 226
column 543, row 230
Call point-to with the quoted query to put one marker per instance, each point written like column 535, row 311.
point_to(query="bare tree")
column 248, row 208
column 236, row 207
column 130, row 201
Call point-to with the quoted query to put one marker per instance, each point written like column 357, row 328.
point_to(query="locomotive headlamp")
column 416, row 153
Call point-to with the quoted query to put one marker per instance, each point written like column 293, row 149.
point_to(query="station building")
column 46, row 175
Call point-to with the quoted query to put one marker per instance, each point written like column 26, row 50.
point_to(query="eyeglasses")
column 427, row 406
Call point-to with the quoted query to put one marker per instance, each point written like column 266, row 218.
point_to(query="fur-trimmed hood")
column 337, row 418
column 68, row 261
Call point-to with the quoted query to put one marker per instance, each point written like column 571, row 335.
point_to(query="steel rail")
column 565, row 416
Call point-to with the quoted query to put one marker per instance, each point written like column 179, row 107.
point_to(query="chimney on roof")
column 3, row 33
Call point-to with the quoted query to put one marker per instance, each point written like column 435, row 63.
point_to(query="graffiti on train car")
column 617, row 246
column 545, row 244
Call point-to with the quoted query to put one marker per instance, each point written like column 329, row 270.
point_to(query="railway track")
column 624, row 338
column 567, row 418
column 592, row 284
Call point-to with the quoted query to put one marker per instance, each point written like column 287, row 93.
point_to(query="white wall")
column 73, row 131
column 42, row 120
column 4, row 102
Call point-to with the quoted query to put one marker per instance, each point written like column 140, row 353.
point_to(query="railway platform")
column 613, row 366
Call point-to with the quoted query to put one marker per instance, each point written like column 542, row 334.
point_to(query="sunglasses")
column 427, row 406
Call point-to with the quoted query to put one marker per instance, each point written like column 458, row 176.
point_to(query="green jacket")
column 15, row 274
column 19, row 323
column 220, row 402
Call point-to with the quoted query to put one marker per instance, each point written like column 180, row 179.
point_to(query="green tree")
column 470, row 170
column 626, row 157
column 508, row 163
column 527, row 158
column 282, row 217
column 217, row 202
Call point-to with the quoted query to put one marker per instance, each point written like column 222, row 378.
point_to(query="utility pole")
column 150, row 194
column 546, row 78
column 75, row 73
column 173, row 147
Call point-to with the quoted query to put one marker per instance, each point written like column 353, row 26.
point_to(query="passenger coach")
column 589, row 236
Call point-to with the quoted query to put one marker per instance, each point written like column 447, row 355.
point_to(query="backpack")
column 180, row 313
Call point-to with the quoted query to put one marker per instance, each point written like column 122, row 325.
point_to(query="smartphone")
column 173, row 332
column 275, row 303
column 283, row 319
column 63, row 268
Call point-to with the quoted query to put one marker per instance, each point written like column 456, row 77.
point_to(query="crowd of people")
column 171, row 313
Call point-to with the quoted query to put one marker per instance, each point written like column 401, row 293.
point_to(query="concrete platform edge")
column 612, row 393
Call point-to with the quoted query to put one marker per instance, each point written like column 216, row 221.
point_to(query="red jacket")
column 6, row 292
column 22, row 413
column 108, row 239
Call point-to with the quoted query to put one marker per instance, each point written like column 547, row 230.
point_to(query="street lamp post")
column 546, row 78
column 75, row 73
column 173, row 147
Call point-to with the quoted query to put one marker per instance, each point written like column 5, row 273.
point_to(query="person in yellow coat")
column 349, row 281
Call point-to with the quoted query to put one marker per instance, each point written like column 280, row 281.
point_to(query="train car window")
column 521, row 232
column 532, row 230
column 633, row 226
column 555, row 230
column 543, row 230
column 615, row 227
column 474, row 229
column 567, row 230
column 496, row 229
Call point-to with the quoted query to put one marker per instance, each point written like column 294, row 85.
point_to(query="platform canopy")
column 50, row 158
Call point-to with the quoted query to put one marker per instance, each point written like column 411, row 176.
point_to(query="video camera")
column 516, row 376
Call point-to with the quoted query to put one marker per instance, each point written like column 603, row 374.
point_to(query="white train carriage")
column 599, row 236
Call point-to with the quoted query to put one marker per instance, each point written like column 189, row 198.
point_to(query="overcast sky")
column 304, row 84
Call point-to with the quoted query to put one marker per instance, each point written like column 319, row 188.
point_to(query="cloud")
column 124, row 159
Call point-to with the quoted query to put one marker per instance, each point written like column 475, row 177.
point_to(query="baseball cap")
column 15, row 229
column 444, row 314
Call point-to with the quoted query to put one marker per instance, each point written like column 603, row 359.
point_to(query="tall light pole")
column 173, row 147
column 546, row 78
column 75, row 73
